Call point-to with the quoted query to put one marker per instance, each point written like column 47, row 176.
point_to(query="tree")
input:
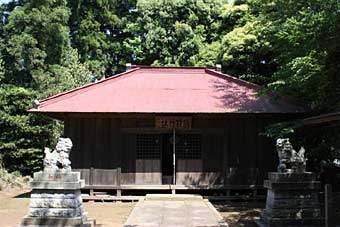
column 173, row 32
column 304, row 39
column 37, row 38
column 2, row 69
column 99, row 32
column 37, row 61
column 22, row 149
column 290, row 47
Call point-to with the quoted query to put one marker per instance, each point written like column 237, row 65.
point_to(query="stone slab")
column 284, row 204
column 56, row 212
column 292, row 195
column 289, row 223
column 190, row 211
column 292, row 213
column 292, row 200
column 60, row 176
column 291, row 177
column 55, row 203
column 172, row 197
column 56, row 185
column 55, row 194
column 313, row 185
column 55, row 221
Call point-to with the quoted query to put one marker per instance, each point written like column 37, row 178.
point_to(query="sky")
column 4, row 1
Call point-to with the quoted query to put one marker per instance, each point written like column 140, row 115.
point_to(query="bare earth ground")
column 240, row 214
column 14, row 203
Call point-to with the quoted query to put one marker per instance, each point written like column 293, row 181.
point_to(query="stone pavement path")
column 174, row 211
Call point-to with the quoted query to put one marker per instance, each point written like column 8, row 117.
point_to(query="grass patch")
column 12, row 180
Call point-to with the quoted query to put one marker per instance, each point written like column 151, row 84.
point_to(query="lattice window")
column 189, row 146
column 148, row 146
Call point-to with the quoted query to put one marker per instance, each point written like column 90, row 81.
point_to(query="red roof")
column 167, row 90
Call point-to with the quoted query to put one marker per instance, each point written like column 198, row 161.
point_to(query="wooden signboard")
column 169, row 122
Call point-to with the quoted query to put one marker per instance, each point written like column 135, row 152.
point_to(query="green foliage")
column 283, row 129
column 302, row 75
column 304, row 51
column 304, row 37
column 174, row 32
column 37, row 61
column 208, row 54
column 2, row 69
column 22, row 135
column 68, row 74
column 100, row 31
column 322, row 144
column 233, row 15
column 37, row 36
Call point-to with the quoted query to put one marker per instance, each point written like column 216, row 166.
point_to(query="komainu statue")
column 290, row 160
column 58, row 159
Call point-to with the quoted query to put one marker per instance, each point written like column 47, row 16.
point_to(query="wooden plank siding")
column 233, row 152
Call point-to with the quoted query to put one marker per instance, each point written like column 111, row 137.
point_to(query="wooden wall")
column 233, row 152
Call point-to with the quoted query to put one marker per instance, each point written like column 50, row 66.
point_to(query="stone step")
column 172, row 197
column 100, row 193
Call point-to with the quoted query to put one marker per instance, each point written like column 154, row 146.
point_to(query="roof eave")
column 322, row 119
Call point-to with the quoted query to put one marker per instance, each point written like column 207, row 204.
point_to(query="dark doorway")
column 167, row 159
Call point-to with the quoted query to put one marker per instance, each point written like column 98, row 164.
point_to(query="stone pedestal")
column 292, row 200
column 56, row 200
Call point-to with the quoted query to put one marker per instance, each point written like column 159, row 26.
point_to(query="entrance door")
column 167, row 159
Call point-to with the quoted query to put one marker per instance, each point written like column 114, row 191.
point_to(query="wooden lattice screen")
column 148, row 146
column 189, row 146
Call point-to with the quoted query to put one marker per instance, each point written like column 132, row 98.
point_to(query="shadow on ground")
column 23, row 195
column 240, row 214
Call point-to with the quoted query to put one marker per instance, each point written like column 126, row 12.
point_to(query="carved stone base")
column 56, row 200
column 56, row 221
column 292, row 200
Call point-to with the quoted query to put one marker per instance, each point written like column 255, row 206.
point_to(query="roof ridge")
column 234, row 79
column 171, row 67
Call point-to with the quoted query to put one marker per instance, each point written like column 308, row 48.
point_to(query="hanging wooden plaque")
column 169, row 122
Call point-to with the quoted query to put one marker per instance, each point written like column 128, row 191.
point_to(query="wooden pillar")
column 254, row 194
column 119, row 175
column 228, row 193
column 91, row 181
column 329, row 210
column 174, row 158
